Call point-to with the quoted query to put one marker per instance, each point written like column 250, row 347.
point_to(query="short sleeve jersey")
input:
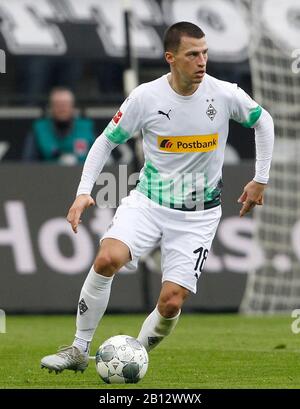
column 184, row 137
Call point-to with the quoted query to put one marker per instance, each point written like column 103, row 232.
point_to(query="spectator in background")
column 62, row 136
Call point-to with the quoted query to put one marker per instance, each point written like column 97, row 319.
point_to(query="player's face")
column 62, row 105
column 189, row 61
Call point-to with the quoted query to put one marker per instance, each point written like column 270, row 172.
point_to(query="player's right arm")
column 122, row 127
column 81, row 203
column 93, row 165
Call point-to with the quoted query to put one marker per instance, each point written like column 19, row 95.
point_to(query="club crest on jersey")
column 211, row 112
column 189, row 143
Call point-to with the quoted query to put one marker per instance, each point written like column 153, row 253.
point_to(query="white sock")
column 82, row 345
column 92, row 305
column 155, row 328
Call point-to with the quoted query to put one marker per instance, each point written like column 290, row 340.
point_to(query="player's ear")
column 169, row 56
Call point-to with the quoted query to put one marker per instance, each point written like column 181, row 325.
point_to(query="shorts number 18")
column 201, row 258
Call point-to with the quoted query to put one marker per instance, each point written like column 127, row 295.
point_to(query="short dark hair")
column 174, row 33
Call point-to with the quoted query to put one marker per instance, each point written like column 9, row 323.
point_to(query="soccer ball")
column 121, row 359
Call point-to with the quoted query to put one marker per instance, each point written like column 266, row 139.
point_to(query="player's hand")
column 81, row 203
column 252, row 195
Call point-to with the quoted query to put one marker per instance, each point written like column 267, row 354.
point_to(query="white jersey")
column 184, row 138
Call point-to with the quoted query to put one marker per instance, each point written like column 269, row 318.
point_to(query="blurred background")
column 65, row 68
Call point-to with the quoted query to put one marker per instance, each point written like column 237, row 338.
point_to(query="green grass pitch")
column 205, row 351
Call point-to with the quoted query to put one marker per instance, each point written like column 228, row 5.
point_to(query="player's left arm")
column 251, row 115
column 253, row 193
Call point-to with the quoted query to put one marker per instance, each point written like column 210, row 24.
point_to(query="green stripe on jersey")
column 167, row 192
column 150, row 178
column 254, row 114
column 116, row 134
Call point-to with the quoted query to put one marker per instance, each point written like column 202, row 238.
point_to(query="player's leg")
column 113, row 254
column 135, row 232
column 93, row 300
column 165, row 316
column 185, row 245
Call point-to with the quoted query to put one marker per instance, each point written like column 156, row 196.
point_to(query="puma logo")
column 163, row 113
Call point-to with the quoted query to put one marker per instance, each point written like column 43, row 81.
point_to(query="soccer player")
column 184, row 119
